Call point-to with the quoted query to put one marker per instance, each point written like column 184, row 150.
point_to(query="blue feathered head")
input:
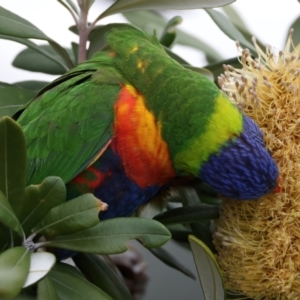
column 243, row 169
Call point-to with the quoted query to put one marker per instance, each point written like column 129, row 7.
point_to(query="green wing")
column 70, row 121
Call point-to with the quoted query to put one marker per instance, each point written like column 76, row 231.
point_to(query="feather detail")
column 138, row 141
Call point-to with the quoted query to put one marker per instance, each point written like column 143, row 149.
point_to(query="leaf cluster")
column 37, row 218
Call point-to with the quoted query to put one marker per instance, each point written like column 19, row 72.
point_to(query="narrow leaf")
column 13, row 25
column 75, row 52
column 88, row 3
column 25, row 295
column 97, row 38
column 150, row 21
column 73, row 13
column 73, row 6
column 239, row 23
column 5, row 237
column 100, row 271
column 46, row 290
column 4, row 84
column 169, row 33
column 68, row 269
column 71, row 286
column 12, row 98
column 201, row 229
column 187, row 215
column 110, row 236
column 296, row 34
column 180, row 235
column 31, row 60
column 40, row 264
column 13, row 162
column 121, row 6
column 8, row 217
column 14, row 267
column 229, row 29
column 36, row 48
column 171, row 261
column 70, row 217
column 40, row 199
column 208, row 270
column 32, row 85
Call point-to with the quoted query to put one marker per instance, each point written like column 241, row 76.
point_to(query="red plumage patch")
column 138, row 141
column 91, row 178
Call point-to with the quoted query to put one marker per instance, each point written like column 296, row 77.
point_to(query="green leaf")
column 171, row 261
column 13, row 162
column 148, row 21
column 36, row 48
column 201, row 229
column 98, row 41
column 25, row 296
column 189, row 196
column 5, row 237
column 69, row 217
column 75, row 51
column 97, row 38
column 40, row 264
column 12, row 98
column 32, row 85
column 229, row 29
column 73, row 6
column 14, row 268
column 208, row 270
column 201, row 186
column 179, row 235
column 46, row 290
column 110, row 236
column 68, row 269
column 4, row 84
column 40, row 199
column 121, row 6
column 71, row 286
column 15, row 26
column 169, row 34
column 88, row 3
column 8, row 217
column 31, row 60
column 187, row 215
column 101, row 271
column 296, row 34
column 238, row 22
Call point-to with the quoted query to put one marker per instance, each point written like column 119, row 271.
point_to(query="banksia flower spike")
column 258, row 242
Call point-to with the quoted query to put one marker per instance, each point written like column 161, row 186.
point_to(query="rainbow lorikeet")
column 125, row 123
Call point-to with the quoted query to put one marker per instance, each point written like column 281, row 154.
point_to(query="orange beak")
column 278, row 188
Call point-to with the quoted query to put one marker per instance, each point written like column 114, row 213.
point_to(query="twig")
column 83, row 31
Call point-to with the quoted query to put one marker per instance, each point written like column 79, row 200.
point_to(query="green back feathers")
column 196, row 119
column 69, row 122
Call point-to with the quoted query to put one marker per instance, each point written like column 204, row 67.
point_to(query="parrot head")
column 243, row 168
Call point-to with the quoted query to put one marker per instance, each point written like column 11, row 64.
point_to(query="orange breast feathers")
column 138, row 141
